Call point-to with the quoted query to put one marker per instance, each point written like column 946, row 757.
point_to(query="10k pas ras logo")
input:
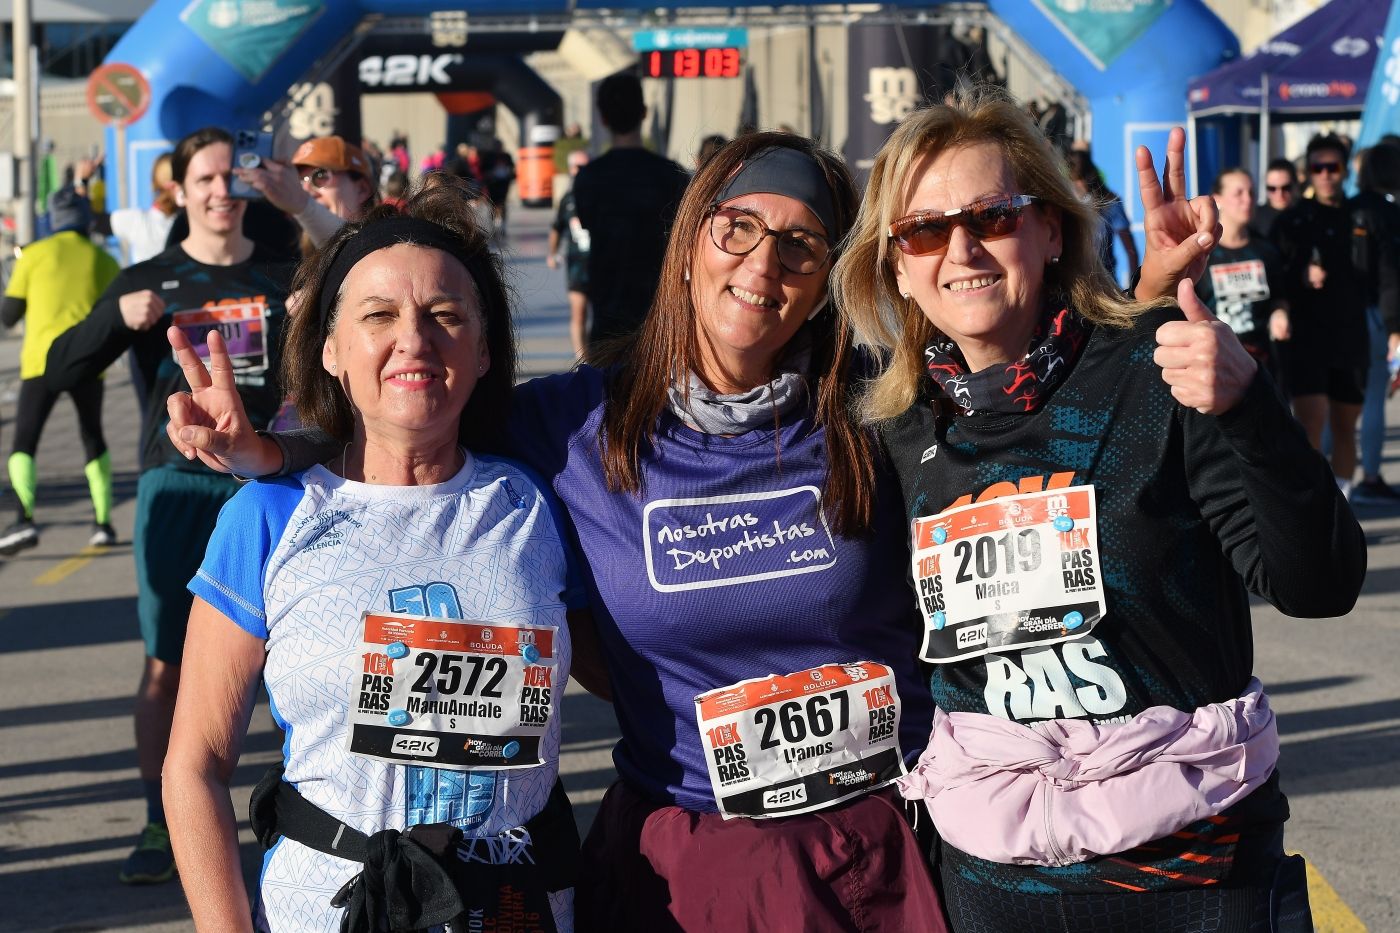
column 723, row 540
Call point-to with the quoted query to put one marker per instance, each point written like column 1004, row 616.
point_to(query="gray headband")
column 788, row 172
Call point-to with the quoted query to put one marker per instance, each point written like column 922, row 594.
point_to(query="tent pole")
column 1263, row 128
column 1193, row 183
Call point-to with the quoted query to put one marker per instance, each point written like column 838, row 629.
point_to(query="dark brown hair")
column 667, row 345
column 321, row 401
column 186, row 148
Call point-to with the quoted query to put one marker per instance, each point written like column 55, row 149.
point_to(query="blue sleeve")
column 250, row 527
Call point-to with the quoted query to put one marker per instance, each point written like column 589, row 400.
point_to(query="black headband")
column 382, row 234
column 789, row 172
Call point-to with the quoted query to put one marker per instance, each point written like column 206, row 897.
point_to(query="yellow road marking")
column 69, row 567
column 1330, row 913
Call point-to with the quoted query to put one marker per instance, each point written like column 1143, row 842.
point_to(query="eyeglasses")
column 1331, row 168
column 1278, row 188
column 738, row 232
column 925, row 233
column 319, row 178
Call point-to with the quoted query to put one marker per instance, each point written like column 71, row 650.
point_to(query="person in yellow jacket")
column 55, row 284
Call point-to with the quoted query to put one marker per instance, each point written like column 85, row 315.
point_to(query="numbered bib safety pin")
column 781, row 745
column 459, row 695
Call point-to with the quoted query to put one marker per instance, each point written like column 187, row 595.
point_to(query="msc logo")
column 781, row 798
column 417, row 745
column 893, row 94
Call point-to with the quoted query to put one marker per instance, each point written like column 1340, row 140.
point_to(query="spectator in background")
column 328, row 182
column 708, row 147
column 53, row 287
column 570, row 231
column 142, row 233
column 1324, row 362
column 395, row 188
column 1088, row 182
column 1280, row 189
column 1376, row 252
column 626, row 200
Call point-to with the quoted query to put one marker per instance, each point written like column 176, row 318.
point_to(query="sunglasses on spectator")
column 925, row 233
column 1331, row 168
column 1279, row 187
column 738, row 232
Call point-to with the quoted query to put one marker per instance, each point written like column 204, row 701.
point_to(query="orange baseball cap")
column 334, row 153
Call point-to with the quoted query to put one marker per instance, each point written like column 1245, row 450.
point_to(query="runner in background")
column 53, row 287
column 569, row 230
column 626, row 199
column 1325, row 360
column 1280, row 191
column 1243, row 282
column 214, row 278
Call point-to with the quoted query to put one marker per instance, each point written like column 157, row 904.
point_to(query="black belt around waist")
column 429, row 874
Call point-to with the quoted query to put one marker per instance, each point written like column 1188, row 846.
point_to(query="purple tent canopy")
column 1321, row 64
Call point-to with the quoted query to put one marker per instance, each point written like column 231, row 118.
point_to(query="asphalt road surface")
column 70, row 656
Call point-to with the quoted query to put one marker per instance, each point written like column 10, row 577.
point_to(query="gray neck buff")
column 701, row 408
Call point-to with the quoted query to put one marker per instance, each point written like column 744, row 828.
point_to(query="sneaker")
column 103, row 536
column 22, row 534
column 152, row 861
column 1374, row 492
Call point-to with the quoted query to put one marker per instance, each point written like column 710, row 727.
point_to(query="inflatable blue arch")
column 1129, row 59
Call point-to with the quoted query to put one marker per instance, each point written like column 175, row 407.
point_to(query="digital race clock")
column 692, row 63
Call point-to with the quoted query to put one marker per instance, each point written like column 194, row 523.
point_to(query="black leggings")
column 35, row 404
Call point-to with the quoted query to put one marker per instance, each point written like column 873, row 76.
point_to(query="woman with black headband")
column 746, row 572
column 403, row 602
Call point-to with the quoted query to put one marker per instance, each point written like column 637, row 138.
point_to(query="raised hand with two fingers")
column 1202, row 360
column 209, row 422
column 1179, row 232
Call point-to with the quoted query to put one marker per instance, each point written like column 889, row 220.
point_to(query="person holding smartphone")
column 215, row 278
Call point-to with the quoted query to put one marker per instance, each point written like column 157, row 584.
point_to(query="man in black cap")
column 626, row 200
column 54, row 285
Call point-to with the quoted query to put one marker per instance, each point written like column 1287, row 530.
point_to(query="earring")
column 1054, row 260
column 820, row 305
column 904, row 295
column 686, row 276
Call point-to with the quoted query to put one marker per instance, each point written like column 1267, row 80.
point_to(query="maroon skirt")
column 652, row 867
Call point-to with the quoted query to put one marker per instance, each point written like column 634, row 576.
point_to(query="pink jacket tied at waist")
column 1066, row 790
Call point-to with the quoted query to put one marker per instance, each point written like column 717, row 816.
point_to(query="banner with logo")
column 251, row 35
column 1103, row 29
column 1382, row 113
column 891, row 70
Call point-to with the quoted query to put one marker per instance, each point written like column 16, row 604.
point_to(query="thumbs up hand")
column 1202, row 360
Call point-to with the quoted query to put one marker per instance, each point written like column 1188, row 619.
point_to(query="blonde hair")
column 863, row 282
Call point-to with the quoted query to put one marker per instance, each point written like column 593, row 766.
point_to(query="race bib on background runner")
column 782, row 745
column 454, row 695
column 1011, row 573
column 243, row 327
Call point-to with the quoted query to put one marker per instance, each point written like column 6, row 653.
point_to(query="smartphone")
column 250, row 149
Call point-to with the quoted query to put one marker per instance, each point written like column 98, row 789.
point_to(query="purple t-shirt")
column 722, row 570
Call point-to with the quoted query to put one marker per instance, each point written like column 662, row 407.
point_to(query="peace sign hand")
column 1179, row 233
column 1201, row 358
column 209, row 421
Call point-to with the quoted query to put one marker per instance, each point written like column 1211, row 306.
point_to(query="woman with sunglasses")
column 329, row 182
column 1325, row 362
column 1095, row 486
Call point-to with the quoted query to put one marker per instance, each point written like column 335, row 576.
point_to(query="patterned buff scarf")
column 1011, row 388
